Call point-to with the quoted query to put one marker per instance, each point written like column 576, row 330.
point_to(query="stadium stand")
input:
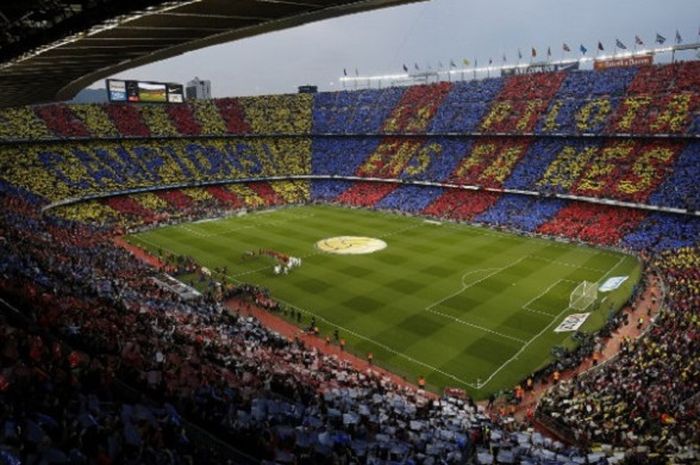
column 127, row 166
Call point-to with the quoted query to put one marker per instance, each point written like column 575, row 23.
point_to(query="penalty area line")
column 522, row 349
column 555, row 319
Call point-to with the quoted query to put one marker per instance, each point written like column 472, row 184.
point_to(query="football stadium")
column 450, row 265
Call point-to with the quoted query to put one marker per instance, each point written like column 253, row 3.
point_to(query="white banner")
column 572, row 322
column 612, row 283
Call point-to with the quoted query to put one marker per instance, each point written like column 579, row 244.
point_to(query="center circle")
column 350, row 245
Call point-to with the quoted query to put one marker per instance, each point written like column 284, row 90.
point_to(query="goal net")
column 583, row 296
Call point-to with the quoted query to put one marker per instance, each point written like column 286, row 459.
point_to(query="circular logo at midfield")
column 350, row 245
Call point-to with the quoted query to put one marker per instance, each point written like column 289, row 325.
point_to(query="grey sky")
column 381, row 41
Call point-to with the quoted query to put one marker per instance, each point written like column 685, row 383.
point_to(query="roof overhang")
column 59, row 70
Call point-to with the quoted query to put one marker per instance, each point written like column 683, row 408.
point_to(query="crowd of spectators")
column 365, row 194
column 521, row 102
column 276, row 398
column 158, row 120
column 646, row 100
column 606, row 225
column 633, row 170
column 490, row 162
column 461, row 205
column 354, row 112
column 150, row 208
column 264, row 115
column 183, row 119
column 77, row 170
column 59, row 405
column 597, row 224
column 208, row 375
column 416, row 108
column 647, row 396
column 520, row 212
column 272, row 397
column 678, row 188
column 121, row 296
column 465, row 106
column 61, row 121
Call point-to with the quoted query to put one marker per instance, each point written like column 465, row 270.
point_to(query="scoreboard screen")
column 144, row 91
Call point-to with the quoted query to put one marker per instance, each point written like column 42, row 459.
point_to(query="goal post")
column 584, row 295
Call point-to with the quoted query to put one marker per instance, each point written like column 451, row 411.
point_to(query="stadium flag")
column 452, row 63
column 565, row 47
column 520, row 55
column 638, row 41
column 357, row 73
column 549, row 51
column 405, row 68
column 600, row 46
column 440, row 65
column 430, row 67
column 619, row 44
column 504, row 58
column 345, row 72
column 660, row 39
column 533, row 52
column 583, row 49
column 490, row 61
column 679, row 39
column 415, row 65
column 466, row 62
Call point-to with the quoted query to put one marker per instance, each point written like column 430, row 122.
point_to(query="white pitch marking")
column 383, row 346
column 527, row 304
column 467, row 286
column 466, row 323
column 571, row 265
column 484, row 383
column 613, row 267
column 358, row 335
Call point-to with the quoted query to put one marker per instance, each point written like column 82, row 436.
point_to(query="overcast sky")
column 382, row 41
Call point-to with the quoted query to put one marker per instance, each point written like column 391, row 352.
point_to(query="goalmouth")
column 584, row 295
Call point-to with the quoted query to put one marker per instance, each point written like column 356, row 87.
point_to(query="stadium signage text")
column 572, row 322
column 623, row 62
column 612, row 283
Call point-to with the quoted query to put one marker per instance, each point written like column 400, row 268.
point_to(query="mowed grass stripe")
column 380, row 300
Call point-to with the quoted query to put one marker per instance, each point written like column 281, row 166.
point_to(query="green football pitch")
column 463, row 306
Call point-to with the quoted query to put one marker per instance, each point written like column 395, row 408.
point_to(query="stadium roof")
column 52, row 49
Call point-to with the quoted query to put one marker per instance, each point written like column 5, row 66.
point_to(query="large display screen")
column 176, row 93
column 148, row 92
column 116, row 90
column 152, row 92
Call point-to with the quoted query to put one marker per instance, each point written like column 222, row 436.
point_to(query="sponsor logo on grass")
column 572, row 322
column 351, row 245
